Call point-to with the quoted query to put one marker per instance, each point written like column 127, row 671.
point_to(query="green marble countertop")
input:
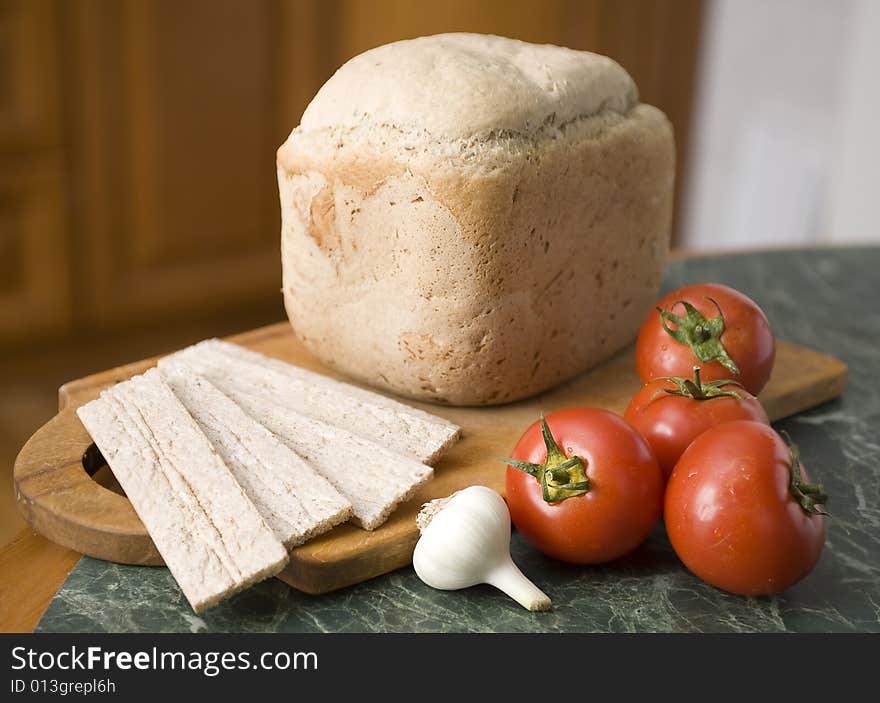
column 825, row 299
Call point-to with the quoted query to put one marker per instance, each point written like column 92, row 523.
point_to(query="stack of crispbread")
column 294, row 500
column 208, row 532
column 230, row 457
column 403, row 429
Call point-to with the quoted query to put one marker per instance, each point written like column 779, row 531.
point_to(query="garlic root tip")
column 512, row 581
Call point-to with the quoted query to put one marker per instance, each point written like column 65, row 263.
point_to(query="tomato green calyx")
column 697, row 389
column 701, row 335
column 560, row 476
column 810, row 496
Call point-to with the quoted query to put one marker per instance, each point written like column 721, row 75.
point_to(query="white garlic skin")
column 465, row 541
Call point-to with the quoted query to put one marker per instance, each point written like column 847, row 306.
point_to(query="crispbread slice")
column 296, row 502
column 209, row 533
column 401, row 428
column 374, row 479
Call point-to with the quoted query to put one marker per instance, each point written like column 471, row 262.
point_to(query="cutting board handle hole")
column 93, row 460
column 95, row 465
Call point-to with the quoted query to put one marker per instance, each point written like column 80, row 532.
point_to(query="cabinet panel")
column 34, row 276
column 34, row 281
column 658, row 42
column 363, row 25
column 29, row 105
column 175, row 126
column 199, row 135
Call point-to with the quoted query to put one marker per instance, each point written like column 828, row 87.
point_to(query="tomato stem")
column 697, row 389
column 810, row 496
column 561, row 477
column 555, row 455
column 701, row 335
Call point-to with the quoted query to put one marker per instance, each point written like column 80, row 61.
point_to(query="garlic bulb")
column 465, row 541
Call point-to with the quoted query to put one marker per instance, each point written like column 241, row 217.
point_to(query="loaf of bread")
column 469, row 219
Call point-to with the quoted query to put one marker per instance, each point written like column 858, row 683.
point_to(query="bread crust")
column 477, row 270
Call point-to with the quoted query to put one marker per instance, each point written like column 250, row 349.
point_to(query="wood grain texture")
column 658, row 43
column 34, row 278
column 173, row 135
column 61, row 501
column 30, row 99
column 32, row 569
column 34, row 281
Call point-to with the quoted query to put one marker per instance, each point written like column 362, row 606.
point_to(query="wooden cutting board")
column 66, row 495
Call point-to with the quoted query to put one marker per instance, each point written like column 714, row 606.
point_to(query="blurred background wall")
column 785, row 141
column 138, row 206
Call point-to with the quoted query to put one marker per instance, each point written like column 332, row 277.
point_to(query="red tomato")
column 613, row 495
column 732, row 340
column 740, row 512
column 671, row 421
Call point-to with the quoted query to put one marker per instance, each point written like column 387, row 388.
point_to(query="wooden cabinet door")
column 176, row 113
column 35, row 296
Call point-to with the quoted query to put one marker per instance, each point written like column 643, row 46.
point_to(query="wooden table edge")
column 32, row 569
